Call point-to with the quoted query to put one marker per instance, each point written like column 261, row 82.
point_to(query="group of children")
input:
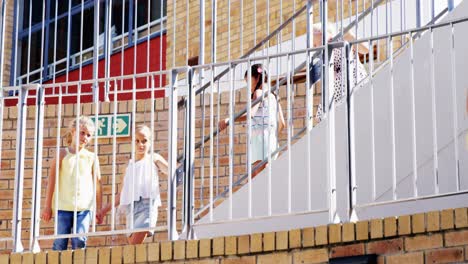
column 76, row 194
column 79, row 177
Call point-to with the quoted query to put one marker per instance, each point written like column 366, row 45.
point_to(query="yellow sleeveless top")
column 84, row 183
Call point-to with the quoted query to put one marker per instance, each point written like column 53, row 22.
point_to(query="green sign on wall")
column 105, row 125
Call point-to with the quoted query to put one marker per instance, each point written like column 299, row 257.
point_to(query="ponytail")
column 259, row 73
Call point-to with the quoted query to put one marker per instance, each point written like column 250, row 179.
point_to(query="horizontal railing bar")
column 55, row 95
column 262, row 57
column 412, row 199
column 109, row 79
column 103, row 233
column 413, row 30
column 238, row 220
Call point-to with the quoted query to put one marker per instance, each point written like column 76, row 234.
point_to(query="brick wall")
column 433, row 237
column 246, row 35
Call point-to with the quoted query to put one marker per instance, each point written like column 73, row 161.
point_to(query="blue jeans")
column 65, row 226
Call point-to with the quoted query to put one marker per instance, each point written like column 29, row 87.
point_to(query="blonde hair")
column 144, row 129
column 82, row 121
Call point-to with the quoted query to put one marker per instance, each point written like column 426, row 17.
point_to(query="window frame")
column 47, row 24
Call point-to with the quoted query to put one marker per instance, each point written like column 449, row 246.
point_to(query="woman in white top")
column 141, row 187
column 338, row 67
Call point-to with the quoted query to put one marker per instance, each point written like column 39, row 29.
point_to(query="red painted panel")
column 115, row 70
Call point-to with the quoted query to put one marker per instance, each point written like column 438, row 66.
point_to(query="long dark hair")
column 258, row 72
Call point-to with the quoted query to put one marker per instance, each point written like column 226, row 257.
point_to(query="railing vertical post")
column 37, row 177
column 413, row 120
column 189, row 158
column 323, row 17
column 418, row 13
column 201, row 61
column 435, row 147
column 455, row 105
column 96, row 49
column 172, row 181
column 19, row 170
column 350, row 133
column 309, row 98
column 2, row 41
column 201, row 56
column 329, row 109
column 108, row 47
column 2, row 60
column 212, row 83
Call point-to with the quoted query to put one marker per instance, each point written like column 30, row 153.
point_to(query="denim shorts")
column 142, row 218
column 65, row 226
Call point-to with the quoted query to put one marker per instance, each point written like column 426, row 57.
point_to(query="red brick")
column 413, row 258
column 446, row 255
column 347, row 251
column 456, row 238
column 385, row 246
column 236, row 260
column 423, row 242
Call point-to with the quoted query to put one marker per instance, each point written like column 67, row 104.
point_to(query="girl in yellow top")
column 71, row 183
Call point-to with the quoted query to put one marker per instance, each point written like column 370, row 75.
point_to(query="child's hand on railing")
column 102, row 213
column 222, row 124
column 100, row 217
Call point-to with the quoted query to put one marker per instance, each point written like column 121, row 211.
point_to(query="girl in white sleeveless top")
column 267, row 118
column 141, row 187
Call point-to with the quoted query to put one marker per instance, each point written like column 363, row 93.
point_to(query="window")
column 68, row 36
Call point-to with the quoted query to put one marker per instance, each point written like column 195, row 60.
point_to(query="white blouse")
column 143, row 176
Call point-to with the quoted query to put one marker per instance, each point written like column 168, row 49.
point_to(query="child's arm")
column 281, row 122
column 224, row 123
column 47, row 211
column 97, row 173
column 161, row 163
column 106, row 208
column 363, row 48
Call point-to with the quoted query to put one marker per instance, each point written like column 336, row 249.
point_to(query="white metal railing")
column 226, row 213
column 41, row 94
column 327, row 177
